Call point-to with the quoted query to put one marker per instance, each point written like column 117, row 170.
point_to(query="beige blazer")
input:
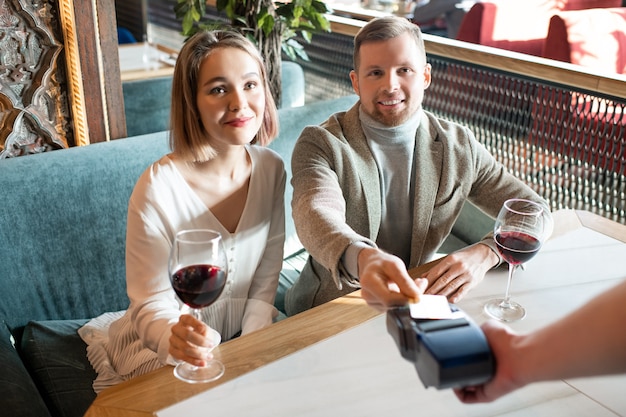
column 337, row 199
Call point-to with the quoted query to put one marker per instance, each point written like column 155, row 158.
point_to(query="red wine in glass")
column 199, row 285
column 198, row 271
column 518, row 232
column 517, row 247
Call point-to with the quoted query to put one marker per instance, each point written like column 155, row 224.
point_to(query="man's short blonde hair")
column 384, row 28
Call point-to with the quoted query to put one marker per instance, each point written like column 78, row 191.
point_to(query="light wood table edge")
column 568, row 220
column 143, row 74
column 602, row 225
column 138, row 397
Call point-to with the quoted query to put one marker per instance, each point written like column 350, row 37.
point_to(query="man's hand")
column 460, row 271
column 385, row 282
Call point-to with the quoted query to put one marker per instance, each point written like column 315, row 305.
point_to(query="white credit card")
column 431, row 307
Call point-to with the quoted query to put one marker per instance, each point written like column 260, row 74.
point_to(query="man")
column 377, row 188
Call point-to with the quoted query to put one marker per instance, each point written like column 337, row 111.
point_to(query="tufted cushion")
column 147, row 105
column 292, row 82
column 65, row 222
column 590, row 4
column 292, row 266
column 56, row 357
column 20, row 396
column 568, row 39
column 471, row 226
column 519, row 26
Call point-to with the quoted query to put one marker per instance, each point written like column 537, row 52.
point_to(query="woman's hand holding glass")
column 192, row 341
column 198, row 272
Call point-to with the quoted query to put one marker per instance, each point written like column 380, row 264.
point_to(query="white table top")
column 143, row 60
column 360, row 371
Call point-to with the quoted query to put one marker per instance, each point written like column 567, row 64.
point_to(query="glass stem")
column 195, row 312
column 506, row 303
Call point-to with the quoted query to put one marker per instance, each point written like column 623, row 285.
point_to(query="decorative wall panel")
column 34, row 111
column 56, row 90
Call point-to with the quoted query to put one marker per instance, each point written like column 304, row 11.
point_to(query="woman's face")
column 231, row 97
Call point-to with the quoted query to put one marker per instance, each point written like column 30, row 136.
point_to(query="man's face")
column 391, row 79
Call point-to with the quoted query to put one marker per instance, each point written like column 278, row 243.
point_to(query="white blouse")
column 162, row 203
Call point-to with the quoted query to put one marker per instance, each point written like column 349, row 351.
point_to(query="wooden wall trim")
column 76, row 93
column 92, row 60
column 110, row 68
column 60, row 83
column 611, row 84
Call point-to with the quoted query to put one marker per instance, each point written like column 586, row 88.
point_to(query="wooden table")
column 337, row 359
column 242, row 355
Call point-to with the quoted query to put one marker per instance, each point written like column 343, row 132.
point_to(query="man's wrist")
column 350, row 258
column 493, row 251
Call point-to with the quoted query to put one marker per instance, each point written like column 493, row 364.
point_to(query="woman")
column 214, row 179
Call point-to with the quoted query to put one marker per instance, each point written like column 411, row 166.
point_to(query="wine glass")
column 518, row 234
column 198, row 270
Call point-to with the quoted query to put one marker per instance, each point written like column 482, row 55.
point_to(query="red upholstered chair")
column 518, row 25
column 593, row 38
column 569, row 127
column 589, row 130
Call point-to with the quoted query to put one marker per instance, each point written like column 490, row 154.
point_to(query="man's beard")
column 392, row 119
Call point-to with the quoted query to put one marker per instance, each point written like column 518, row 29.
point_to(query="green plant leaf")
column 266, row 23
column 297, row 15
column 195, row 15
column 320, row 7
column 294, row 50
column 306, row 35
column 188, row 24
column 230, row 12
column 303, row 17
column 221, row 4
column 212, row 25
column 323, row 23
column 180, row 9
column 200, row 6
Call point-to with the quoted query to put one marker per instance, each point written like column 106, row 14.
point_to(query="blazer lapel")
column 366, row 170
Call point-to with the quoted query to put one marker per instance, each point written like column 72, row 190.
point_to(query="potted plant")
column 273, row 26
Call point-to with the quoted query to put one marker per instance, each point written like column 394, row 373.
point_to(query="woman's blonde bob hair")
column 188, row 138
